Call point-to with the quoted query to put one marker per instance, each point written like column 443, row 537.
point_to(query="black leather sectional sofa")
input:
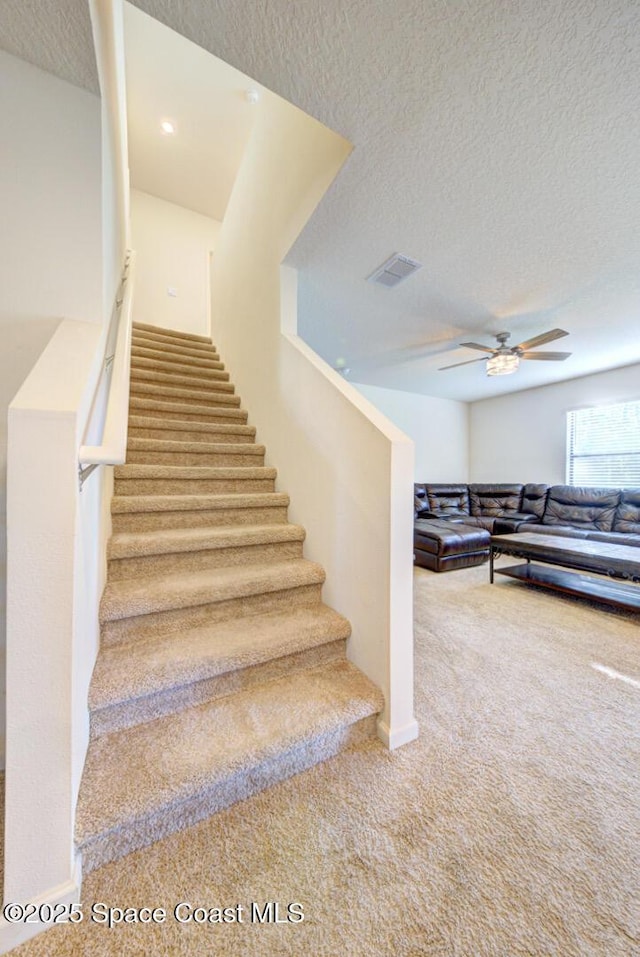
column 597, row 514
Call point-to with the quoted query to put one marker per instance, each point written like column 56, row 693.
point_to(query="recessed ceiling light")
column 167, row 128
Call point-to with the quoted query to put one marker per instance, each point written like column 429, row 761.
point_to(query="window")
column 603, row 446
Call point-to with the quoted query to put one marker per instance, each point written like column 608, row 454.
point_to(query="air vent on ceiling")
column 394, row 270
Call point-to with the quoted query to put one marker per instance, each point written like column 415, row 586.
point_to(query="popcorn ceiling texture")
column 55, row 36
column 220, row 670
column 508, row 829
column 495, row 142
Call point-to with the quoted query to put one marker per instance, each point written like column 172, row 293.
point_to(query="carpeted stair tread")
column 187, row 362
column 179, row 479
column 133, row 471
column 122, row 504
column 212, row 398
column 136, row 669
column 155, row 355
column 144, row 596
column 169, row 333
column 159, row 408
column 170, row 356
column 195, row 397
column 178, row 377
column 133, row 776
column 179, row 425
column 151, row 340
column 171, row 370
column 203, row 448
column 171, row 540
column 176, row 363
column 203, row 351
column 227, row 454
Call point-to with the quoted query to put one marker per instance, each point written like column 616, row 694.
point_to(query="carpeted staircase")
column 220, row 670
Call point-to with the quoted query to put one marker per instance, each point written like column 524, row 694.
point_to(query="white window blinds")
column 603, row 446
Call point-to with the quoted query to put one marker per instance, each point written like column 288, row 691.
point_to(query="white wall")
column 50, row 241
column 438, row 427
column 53, row 584
column 172, row 246
column 521, row 437
column 348, row 470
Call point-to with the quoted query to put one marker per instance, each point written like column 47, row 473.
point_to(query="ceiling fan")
column 505, row 359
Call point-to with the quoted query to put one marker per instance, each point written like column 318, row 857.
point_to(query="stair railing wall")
column 347, row 469
column 77, row 392
column 55, row 571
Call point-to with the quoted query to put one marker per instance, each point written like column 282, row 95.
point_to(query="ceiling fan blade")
column 476, row 345
column 550, row 356
column 541, row 339
column 467, row 363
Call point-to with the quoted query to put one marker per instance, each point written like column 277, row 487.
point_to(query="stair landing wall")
column 348, row 470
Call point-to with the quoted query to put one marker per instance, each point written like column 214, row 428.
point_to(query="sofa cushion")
column 494, row 499
column 627, row 517
column 448, row 498
column 534, row 499
column 587, row 508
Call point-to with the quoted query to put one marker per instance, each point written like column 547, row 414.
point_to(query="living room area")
column 533, row 693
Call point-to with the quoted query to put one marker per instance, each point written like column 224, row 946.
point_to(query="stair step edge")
column 172, row 541
column 179, row 425
column 203, row 448
column 128, row 504
column 176, row 333
column 206, row 361
column 173, row 347
column 146, row 374
column 134, row 670
column 161, row 406
column 133, row 471
column 161, row 593
column 226, row 738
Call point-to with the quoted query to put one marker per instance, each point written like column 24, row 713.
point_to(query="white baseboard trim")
column 395, row 737
column 12, row 935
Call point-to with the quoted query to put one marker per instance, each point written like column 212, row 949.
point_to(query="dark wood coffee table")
column 619, row 563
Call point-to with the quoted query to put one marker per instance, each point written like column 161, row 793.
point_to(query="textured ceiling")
column 496, row 142
column 54, row 35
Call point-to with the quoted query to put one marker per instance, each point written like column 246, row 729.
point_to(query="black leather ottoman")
column 443, row 546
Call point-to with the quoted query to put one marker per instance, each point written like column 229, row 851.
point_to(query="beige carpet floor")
column 511, row 827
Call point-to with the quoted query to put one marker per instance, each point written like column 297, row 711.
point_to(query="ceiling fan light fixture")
column 502, row 364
